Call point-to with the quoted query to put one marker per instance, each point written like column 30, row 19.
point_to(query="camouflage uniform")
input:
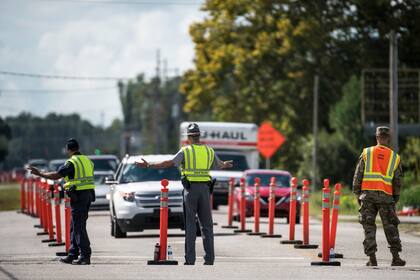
column 373, row 202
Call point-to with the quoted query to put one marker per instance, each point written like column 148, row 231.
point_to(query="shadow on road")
column 155, row 235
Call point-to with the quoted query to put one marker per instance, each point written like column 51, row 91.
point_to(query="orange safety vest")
column 380, row 165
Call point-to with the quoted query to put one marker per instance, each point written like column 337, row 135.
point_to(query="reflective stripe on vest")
column 380, row 165
column 198, row 160
column 83, row 173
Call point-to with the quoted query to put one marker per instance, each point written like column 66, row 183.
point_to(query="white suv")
column 134, row 197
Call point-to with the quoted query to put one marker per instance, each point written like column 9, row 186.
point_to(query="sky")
column 87, row 38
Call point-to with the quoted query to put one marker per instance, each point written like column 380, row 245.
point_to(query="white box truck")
column 231, row 141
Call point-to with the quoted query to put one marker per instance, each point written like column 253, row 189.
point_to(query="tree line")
column 36, row 137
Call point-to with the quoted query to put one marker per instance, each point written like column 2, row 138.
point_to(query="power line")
column 41, row 91
column 62, row 77
column 154, row 3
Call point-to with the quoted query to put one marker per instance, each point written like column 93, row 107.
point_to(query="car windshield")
column 39, row 165
column 105, row 164
column 55, row 165
column 132, row 173
column 239, row 161
column 281, row 180
column 100, row 179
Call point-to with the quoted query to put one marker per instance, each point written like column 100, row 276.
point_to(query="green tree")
column 5, row 136
column 339, row 149
column 36, row 137
column 345, row 117
column 335, row 160
column 153, row 109
column 410, row 159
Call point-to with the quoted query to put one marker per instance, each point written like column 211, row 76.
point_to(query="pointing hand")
column 228, row 164
column 143, row 164
column 33, row 170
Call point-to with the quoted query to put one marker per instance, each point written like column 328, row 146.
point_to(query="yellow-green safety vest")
column 83, row 173
column 198, row 160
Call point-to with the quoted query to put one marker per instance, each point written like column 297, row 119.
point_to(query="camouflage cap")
column 382, row 131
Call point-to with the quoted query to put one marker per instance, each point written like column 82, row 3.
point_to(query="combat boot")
column 396, row 260
column 372, row 261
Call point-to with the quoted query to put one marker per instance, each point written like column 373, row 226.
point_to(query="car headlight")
column 248, row 196
column 127, row 196
column 298, row 198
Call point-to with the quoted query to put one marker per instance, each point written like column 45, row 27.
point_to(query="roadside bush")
column 348, row 202
column 410, row 158
column 410, row 197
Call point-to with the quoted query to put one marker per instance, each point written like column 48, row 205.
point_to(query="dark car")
column 282, row 193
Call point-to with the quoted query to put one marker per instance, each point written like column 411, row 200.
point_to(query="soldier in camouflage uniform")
column 373, row 200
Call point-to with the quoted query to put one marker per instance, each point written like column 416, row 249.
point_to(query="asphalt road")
column 23, row 256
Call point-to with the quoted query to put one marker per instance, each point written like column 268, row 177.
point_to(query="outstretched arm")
column 226, row 164
column 163, row 164
column 47, row 175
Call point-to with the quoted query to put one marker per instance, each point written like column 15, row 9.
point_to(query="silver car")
column 135, row 196
column 101, row 189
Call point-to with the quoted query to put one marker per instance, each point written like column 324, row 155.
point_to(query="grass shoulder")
column 9, row 197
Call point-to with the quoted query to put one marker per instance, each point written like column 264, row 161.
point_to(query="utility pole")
column 102, row 124
column 158, row 62
column 315, row 133
column 124, row 92
column 393, row 89
column 165, row 71
column 164, row 125
column 157, row 105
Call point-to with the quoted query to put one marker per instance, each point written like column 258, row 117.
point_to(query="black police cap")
column 72, row 144
column 193, row 129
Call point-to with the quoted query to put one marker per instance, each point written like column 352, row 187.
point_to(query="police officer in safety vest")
column 79, row 186
column 195, row 160
column 377, row 185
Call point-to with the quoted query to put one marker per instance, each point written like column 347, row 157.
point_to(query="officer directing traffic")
column 79, row 186
column 195, row 160
column 377, row 185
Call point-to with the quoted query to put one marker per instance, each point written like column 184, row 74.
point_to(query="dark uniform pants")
column 197, row 203
column 79, row 214
column 372, row 203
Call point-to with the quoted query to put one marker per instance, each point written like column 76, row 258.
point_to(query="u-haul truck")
column 231, row 141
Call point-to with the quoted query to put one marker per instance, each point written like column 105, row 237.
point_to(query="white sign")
column 225, row 135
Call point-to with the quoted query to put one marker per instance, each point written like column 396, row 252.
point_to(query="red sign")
column 269, row 140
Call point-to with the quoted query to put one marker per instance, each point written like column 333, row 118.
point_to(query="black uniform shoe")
column 81, row 261
column 187, row 263
column 208, row 263
column 68, row 259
